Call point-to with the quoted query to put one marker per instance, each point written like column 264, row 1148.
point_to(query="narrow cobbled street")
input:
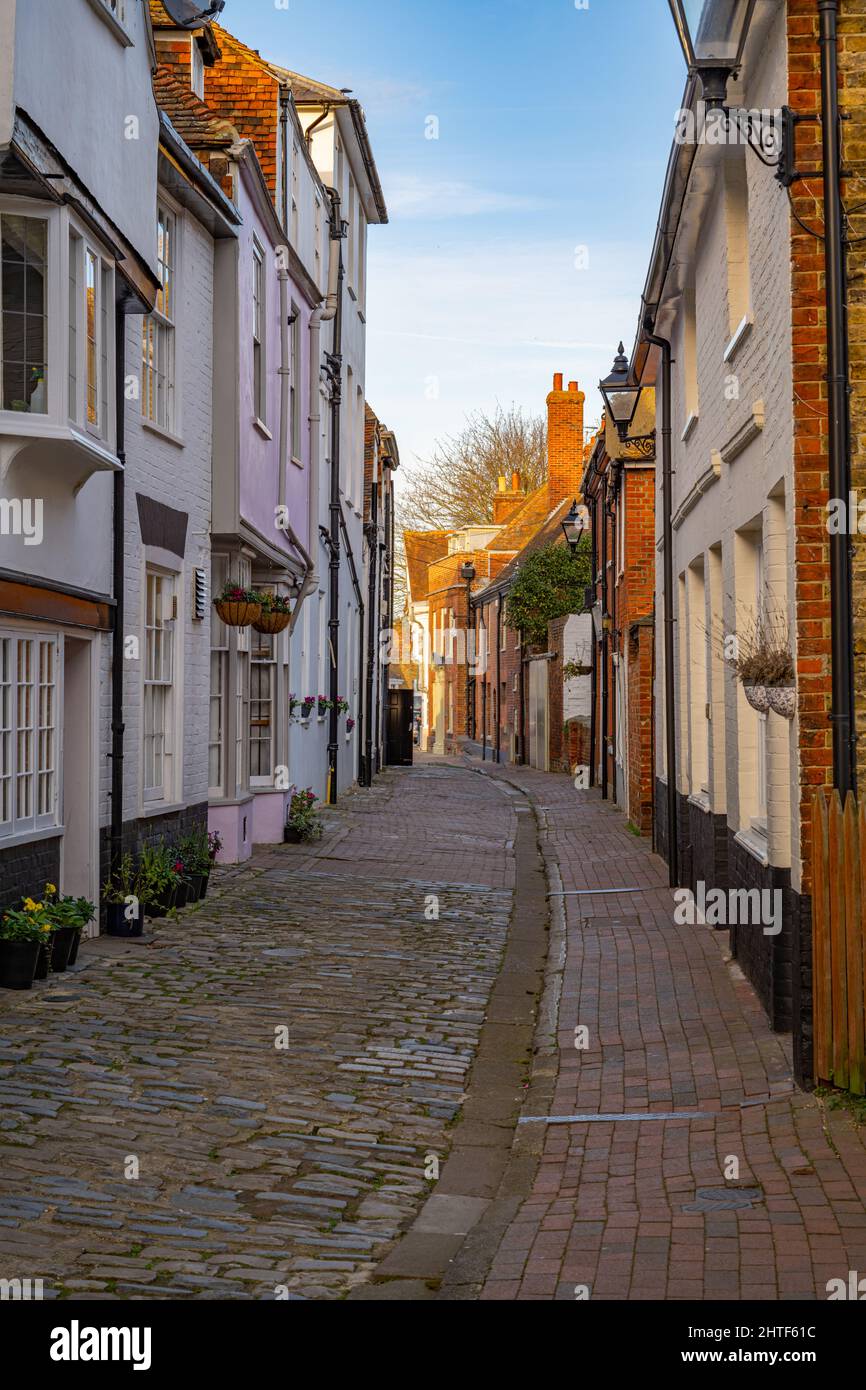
column 352, row 1072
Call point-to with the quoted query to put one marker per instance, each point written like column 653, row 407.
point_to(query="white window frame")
column 26, row 212
column 165, row 679
column 81, row 253
column 39, row 735
column 295, row 395
column 263, row 657
column 159, row 331
column 260, row 334
column 362, row 257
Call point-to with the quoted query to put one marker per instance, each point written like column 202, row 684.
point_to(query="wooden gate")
column 839, row 941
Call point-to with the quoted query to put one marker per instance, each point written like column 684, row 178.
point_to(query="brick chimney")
column 508, row 500
column 564, row 442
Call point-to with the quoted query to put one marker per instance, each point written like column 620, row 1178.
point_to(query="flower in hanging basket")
column 350, row 724
column 758, row 697
column 238, row 607
column 324, row 705
column 783, row 700
column 275, row 616
column 763, row 663
column 342, row 705
column 307, row 706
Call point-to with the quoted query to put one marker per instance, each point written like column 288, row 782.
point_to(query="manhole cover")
column 724, row 1199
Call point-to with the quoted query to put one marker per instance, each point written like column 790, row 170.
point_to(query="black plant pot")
column 18, row 964
column 205, row 880
column 43, row 961
column 195, row 884
column 291, row 836
column 116, row 922
column 181, row 897
column 61, row 945
column 73, row 954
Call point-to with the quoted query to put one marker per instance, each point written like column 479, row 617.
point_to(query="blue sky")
column 474, row 292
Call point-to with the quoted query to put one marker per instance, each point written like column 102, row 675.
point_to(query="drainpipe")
column 373, row 612
column 117, row 658
column 669, row 619
column 353, row 575
column 838, row 376
column 611, row 502
column 335, row 512
column 497, row 699
column 285, row 98
column 593, row 712
column 605, row 645
column 521, row 692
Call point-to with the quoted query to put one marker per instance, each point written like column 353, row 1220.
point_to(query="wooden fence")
column 839, row 941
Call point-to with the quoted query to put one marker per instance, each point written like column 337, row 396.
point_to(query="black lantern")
column 573, row 526
column 620, row 395
column 713, row 34
column 467, row 572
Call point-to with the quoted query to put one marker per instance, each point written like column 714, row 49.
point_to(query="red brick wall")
column 564, row 442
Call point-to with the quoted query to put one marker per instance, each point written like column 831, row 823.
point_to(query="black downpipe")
column 497, row 703
column 593, row 713
column 385, row 680
column 669, row 619
column 605, row 646
column 370, row 721
column 117, row 658
column 613, row 637
column 838, row 376
column 285, row 97
column 353, row 574
column 334, row 508
column 521, row 684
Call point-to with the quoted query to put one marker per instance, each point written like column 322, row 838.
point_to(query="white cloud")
column 437, row 199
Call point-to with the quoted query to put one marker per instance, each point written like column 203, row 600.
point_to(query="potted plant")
column 324, row 705
column 157, row 880
column 307, row 706
column 342, row 705
column 68, row 916
column 765, row 667
column 22, row 931
column 350, row 724
column 237, row 606
column 214, row 845
column 121, row 894
column 275, row 616
column 303, row 821
column 195, row 853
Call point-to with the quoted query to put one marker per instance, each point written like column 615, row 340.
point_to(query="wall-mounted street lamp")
column 713, row 34
column 621, row 398
column 574, row 526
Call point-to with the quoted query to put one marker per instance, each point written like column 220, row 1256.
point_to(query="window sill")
column 112, row 22
column 742, row 332
column 153, row 428
column 151, row 809
column 26, row 837
column 756, row 844
column 690, row 426
column 262, row 428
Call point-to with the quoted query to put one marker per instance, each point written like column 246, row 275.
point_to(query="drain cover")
column 724, row 1199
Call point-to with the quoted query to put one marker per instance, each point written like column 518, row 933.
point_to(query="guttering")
column 285, row 98
column 118, row 633
column 360, row 124
column 838, row 410
column 335, row 511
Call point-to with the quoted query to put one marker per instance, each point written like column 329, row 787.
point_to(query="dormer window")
column 196, row 69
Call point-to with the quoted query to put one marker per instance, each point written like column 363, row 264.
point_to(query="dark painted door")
column 401, row 714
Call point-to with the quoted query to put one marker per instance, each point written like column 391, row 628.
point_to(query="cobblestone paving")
column 260, row 1168
column 673, row 1026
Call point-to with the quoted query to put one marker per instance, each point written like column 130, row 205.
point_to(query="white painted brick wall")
column 180, row 478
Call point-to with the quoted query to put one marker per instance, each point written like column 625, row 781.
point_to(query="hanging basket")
column 758, row 697
column 238, row 612
column 271, row 623
column 783, row 700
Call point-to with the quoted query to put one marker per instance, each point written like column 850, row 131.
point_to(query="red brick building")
column 619, row 492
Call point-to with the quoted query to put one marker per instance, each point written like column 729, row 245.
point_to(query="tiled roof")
column 525, row 522
column 191, row 118
column 422, row 549
column 550, row 532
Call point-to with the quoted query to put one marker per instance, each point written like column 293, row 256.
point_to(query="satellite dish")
column 191, row 14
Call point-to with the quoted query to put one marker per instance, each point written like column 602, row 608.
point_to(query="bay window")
column 29, row 773
column 263, row 673
column 91, row 302
column 158, row 332
column 24, row 322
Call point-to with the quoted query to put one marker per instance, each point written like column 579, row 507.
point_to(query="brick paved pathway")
column 258, row 1167
column 673, row 1026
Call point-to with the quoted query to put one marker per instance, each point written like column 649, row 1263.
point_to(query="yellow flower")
column 29, row 905
column 50, row 889
column 47, row 927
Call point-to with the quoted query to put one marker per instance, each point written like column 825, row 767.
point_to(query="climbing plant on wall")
column 551, row 584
